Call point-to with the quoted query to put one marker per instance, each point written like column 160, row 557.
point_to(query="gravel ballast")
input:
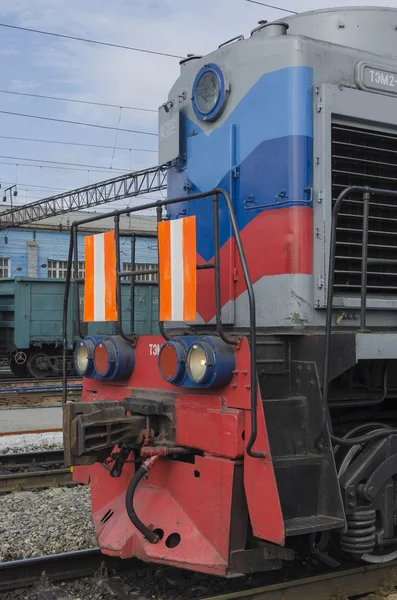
column 45, row 522
column 31, row 442
column 58, row 520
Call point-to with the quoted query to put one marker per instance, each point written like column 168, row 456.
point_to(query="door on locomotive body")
column 203, row 210
column 204, row 157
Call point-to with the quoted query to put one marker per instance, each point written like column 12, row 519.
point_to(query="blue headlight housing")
column 197, row 361
column 114, row 359
column 104, row 357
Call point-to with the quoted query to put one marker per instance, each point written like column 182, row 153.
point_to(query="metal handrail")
column 366, row 192
column 214, row 194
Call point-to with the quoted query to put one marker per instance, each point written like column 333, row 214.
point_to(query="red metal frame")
column 196, row 501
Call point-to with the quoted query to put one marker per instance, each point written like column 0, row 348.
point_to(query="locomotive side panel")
column 271, row 150
column 260, row 151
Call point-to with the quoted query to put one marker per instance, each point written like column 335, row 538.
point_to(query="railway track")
column 33, row 470
column 15, row 382
column 69, row 565
column 338, row 585
column 30, row 431
column 33, row 393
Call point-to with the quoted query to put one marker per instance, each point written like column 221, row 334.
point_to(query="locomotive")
column 262, row 427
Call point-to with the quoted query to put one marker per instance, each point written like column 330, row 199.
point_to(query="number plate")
column 154, row 349
column 376, row 78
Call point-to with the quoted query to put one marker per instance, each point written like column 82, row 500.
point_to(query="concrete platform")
column 30, row 419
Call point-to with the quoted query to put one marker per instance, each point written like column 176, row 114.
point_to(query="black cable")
column 129, row 505
column 88, row 41
column 361, row 427
column 7, row 112
column 293, row 12
column 64, row 143
column 374, row 435
column 91, row 102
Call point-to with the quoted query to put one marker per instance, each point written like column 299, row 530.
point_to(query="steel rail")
column 339, row 584
column 40, row 458
column 34, row 389
column 30, row 431
column 345, row 583
column 40, row 388
column 30, row 400
column 29, row 381
column 35, row 480
column 36, row 397
column 58, row 567
column 12, row 479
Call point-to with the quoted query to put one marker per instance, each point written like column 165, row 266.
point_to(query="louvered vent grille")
column 363, row 157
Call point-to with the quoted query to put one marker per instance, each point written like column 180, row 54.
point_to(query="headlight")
column 197, row 361
column 114, row 359
column 103, row 358
column 83, row 356
column 200, row 362
column 172, row 358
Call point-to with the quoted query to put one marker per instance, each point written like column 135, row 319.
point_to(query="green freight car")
column 31, row 322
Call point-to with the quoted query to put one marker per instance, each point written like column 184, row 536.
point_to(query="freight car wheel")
column 38, row 365
column 18, row 364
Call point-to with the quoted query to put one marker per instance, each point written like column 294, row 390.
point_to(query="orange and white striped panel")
column 100, row 278
column 177, row 266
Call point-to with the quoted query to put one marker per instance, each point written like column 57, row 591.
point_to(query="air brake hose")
column 373, row 435
column 129, row 500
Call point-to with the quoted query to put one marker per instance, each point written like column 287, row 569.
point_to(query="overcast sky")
column 40, row 64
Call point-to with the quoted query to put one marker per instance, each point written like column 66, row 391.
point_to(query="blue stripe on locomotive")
column 273, row 152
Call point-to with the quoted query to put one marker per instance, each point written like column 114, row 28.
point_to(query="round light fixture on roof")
column 210, row 92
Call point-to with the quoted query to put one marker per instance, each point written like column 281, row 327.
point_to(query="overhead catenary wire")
column 89, row 41
column 293, row 12
column 65, row 143
column 75, row 100
column 61, row 162
column 60, row 168
column 33, row 185
column 29, row 116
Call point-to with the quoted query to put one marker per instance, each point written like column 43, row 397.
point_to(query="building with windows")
column 41, row 248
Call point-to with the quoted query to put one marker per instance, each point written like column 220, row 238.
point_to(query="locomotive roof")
column 369, row 28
